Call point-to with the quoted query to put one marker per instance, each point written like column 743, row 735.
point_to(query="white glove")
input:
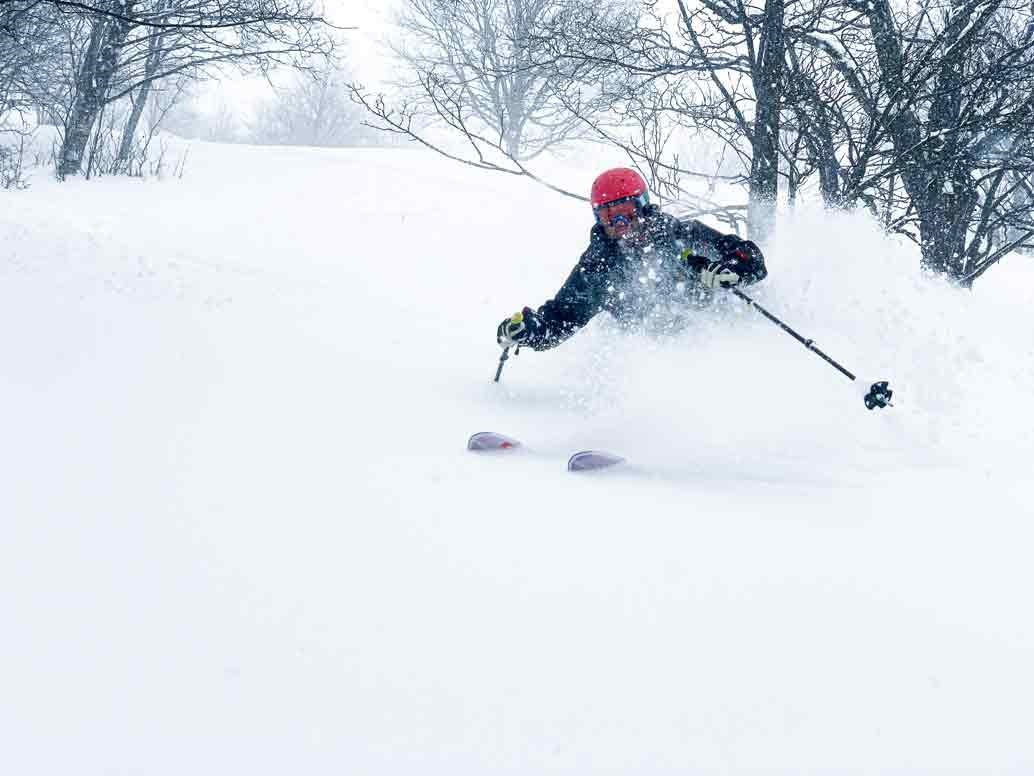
column 718, row 275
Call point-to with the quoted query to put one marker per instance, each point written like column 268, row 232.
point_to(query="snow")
column 831, row 43
column 243, row 535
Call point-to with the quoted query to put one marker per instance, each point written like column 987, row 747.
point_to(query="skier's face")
column 618, row 218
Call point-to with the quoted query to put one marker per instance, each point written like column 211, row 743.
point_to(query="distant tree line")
column 99, row 69
column 920, row 111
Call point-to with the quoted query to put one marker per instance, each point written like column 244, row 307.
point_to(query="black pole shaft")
column 809, row 344
column 502, row 363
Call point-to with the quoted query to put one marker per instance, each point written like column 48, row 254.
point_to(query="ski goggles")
column 621, row 211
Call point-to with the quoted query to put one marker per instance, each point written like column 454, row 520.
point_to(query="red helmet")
column 619, row 183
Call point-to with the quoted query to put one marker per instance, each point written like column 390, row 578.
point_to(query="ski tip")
column 490, row 440
column 593, row 460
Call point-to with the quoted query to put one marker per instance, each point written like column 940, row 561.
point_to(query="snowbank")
column 243, row 534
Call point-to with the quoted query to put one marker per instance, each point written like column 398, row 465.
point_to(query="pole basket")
column 879, row 396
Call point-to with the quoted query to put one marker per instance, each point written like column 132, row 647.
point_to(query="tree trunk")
column 95, row 77
column 154, row 52
column 1021, row 200
column 937, row 177
column 768, row 83
column 888, row 212
column 824, row 151
column 85, row 107
column 129, row 131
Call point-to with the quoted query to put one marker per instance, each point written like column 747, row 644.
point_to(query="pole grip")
column 517, row 317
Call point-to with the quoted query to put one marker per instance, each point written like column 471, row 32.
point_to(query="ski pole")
column 879, row 393
column 516, row 318
column 503, row 359
column 502, row 362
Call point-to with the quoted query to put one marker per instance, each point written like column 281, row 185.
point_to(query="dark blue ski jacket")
column 653, row 286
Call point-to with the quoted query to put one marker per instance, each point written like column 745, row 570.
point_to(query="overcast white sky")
column 363, row 48
column 365, row 45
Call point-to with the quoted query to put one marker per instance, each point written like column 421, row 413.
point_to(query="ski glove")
column 740, row 262
column 744, row 257
column 517, row 328
column 718, row 274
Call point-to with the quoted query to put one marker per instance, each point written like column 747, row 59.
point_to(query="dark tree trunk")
column 824, row 152
column 100, row 63
column 125, row 146
column 888, row 213
column 85, row 108
column 768, row 83
column 818, row 137
column 793, row 174
column 154, row 50
column 815, row 128
column 950, row 195
column 935, row 171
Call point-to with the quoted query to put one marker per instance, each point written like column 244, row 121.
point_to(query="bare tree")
column 133, row 44
column 93, row 82
column 951, row 120
column 153, row 57
column 314, row 109
column 30, row 50
column 652, row 123
column 823, row 123
column 587, row 90
column 720, row 65
column 920, row 112
column 479, row 51
column 483, row 152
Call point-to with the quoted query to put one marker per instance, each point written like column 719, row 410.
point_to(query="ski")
column 593, row 460
column 487, row 441
column 582, row 461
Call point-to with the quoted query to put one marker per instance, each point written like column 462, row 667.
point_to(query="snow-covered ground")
column 241, row 533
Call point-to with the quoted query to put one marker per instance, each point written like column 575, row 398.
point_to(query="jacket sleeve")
column 706, row 245
column 574, row 305
column 702, row 239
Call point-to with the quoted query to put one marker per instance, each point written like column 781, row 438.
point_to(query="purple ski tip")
column 489, row 440
column 591, row 460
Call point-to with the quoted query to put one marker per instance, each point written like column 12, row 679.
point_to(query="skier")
column 646, row 268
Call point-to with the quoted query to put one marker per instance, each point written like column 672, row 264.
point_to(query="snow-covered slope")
column 242, row 534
